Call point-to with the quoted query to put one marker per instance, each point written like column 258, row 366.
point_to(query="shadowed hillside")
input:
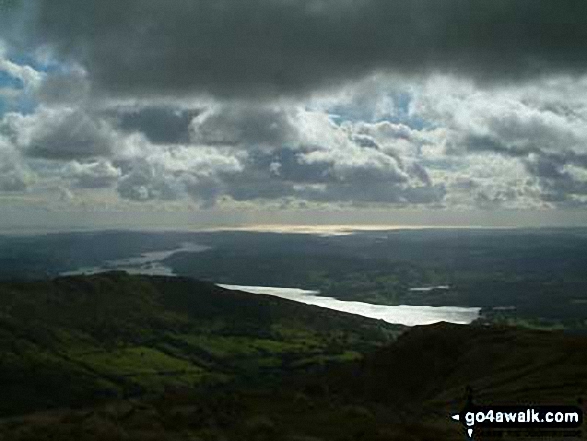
column 123, row 358
column 75, row 339
column 424, row 374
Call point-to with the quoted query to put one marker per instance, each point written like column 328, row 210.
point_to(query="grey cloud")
column 356, row 164
column 365, row 141
column 15, row 175
column 245, row 125
column 534, row 132
column 386, row 130
column 64, row 87
column 259, row 179
column 176, row 173
column 331, row 178
column 477, row 144
column 495, row 199
column 376, row 192
column 557, row 183
column 323, row 165
column 545, row 166
column 466, row 184
column 562, row 109
column 276, row 47
column 301, row 155
column 13, row 179
column 60, row 134
column 420, row 172
column 426, row 194
column 101, row 174
column 394, row 139
column 290, row 165
column 146, row 182
column 206, row 190
column 506, row 121
column 278, row 174
column 517, row 135
column 161, row 125
column 247, row 187
column 65, row 194
column 280, row 153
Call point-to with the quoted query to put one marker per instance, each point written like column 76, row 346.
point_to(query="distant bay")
column 147, row 263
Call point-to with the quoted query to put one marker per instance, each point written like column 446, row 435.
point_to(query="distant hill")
column 73, row 340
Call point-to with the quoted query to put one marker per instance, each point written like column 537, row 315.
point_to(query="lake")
column 403, row 314
column 151, row 264
column 147, row 263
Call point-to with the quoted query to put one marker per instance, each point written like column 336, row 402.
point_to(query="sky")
column 186, row 113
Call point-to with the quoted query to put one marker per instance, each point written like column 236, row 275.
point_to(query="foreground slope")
column 404, row 391
column 73, row 340
column 424, row 375
column 121, row 357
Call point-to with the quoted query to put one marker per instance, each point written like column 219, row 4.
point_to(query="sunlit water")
column 151, row 264
column 430, row 288
column 402, row 314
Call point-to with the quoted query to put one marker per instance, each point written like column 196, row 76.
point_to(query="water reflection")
column 402, row 314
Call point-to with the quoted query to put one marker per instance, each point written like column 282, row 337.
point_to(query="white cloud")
column 60, row 133
column 355, row 163
column 175, row 172
column 15, row 175
column 505, row 119
column 100, row 174
column 30, row 78
column 458, row 145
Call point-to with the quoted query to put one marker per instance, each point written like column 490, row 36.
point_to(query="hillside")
column 423, row 375
column 72, row 340
column 113, row 357
column 404, row 391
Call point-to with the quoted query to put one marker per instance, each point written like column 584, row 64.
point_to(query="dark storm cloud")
column 161, row 125
column 60, row 88
column 269, row 47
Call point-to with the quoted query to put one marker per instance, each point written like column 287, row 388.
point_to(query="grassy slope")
column 404, row 391
column 424, row 374
column 75, row 339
